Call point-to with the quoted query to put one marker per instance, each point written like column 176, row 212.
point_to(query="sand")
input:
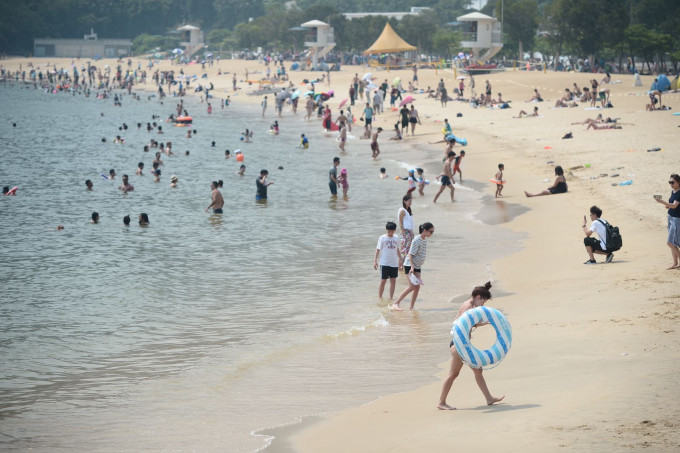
column 596, row 348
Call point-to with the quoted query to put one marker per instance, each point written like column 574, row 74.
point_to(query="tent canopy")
column 389, row 41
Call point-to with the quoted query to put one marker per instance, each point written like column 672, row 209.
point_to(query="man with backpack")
column 609, row 237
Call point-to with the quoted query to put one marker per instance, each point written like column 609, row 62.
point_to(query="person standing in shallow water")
column 480, row 295
column 413, row 262
column 217, row 201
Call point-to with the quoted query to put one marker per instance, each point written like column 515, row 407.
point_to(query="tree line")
column 614, row 30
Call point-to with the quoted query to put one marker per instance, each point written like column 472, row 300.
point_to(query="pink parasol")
column 407, row 100
column 344, row 101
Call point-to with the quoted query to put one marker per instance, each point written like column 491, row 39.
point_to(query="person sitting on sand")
column 536, row 97
column 559, row 186
column 585, row 96
column 577, row 91
column 523, row 114
column 480, row 295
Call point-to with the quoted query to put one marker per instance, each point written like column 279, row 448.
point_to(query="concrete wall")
column 74, row 48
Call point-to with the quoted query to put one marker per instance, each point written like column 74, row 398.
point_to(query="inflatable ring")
column 495, row 181
column 472, row 356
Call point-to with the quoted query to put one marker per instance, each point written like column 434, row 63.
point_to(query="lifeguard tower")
column 480, row 33
column 320, row 39
column 192, row 39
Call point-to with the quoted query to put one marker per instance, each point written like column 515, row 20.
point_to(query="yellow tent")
column 388, row 42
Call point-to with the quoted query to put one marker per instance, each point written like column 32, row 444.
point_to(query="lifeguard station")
column 320, row 39
column 481, row 33
column 192, row 39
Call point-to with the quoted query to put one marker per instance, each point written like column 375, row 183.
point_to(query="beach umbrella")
column 295, row 95
column 396, row 81
column 367, row 76
column 407, row 100
column 372, row 86
column 461, row 78
column 344, row 101
column 309, row 93
column 177, row 51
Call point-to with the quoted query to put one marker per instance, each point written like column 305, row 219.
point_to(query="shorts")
column 595, row 244
column 407, row 270
column 369, row 121
column 404, row 123
column 456, row 169
column 446, row 181
column 388, row 272
column 374, row 145
column 217, row 211
column 554, row 190
column 334, row 187
column 413, row 120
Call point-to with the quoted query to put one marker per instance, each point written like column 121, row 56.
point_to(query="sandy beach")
column 596, row 348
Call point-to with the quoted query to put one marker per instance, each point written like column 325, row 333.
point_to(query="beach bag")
column 614, row 240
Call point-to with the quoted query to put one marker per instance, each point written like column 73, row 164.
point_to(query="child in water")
column 480, row 295
column 421, row 181
column 304, row 142
column 342, row 179
column 499, row 179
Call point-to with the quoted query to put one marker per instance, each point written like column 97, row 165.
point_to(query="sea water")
column 198, row 330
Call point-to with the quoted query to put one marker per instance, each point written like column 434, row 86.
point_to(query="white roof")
column 314, row 23
column 188, row 27
column 474, row 16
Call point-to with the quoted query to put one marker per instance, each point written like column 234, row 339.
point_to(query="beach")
column 595, row 349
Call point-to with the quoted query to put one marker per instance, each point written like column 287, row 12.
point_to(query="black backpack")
column 614, row 240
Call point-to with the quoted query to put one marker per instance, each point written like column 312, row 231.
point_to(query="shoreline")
column 556, row 396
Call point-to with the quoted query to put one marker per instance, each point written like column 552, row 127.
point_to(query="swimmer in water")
column 140, row 169
column 174, row 180
column 143, row 219
column 126, row 186
column 227, row 154
column 88, row 184
column 94, row 217
column 126, row 221
column 241, row 171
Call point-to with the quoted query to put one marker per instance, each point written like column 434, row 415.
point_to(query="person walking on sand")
column 673, row 206
column 413, row 263
column 480, row 295
column 446, row 177
column 413, row 119
column 390, row 259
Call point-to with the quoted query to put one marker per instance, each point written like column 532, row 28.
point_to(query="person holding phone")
column 673, row 206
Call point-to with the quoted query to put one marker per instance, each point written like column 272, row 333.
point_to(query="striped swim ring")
column 472, row 356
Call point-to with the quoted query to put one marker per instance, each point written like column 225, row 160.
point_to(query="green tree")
column 520, row 22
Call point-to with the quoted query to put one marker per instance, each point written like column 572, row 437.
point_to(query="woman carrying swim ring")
column 479, row 297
